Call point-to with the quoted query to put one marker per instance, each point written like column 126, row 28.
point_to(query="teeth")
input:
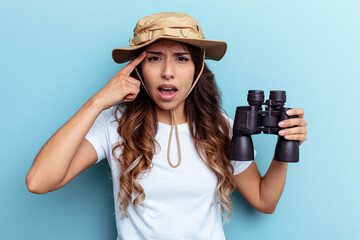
column 167, row 88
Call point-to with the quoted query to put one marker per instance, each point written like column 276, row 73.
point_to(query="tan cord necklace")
column 173, row 115
column 173, row 122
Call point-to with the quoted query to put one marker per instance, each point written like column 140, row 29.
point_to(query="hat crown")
column 166, row 20
column 171, row 24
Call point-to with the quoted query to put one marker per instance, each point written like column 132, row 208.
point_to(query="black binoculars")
column 252, row 119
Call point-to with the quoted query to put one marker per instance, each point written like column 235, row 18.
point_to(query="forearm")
column 52, row 162
column 272, row 185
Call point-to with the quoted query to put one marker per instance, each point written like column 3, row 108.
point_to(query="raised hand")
column 121, row 86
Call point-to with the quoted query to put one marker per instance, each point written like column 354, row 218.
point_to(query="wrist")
column 95, row 103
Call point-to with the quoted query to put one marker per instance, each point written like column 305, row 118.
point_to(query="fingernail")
column 282, row 132
column 143, row 53
column 281, row 124
column 288, row 137
column 289, row 112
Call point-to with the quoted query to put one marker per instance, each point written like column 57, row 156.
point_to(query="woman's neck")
column 164, row 116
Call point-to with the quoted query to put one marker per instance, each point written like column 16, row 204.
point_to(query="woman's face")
column 168, row 71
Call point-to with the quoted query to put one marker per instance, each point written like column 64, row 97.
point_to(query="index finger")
column 131, row 65
column 296, row 111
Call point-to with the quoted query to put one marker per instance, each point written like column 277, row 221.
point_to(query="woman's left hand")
column 296, row 127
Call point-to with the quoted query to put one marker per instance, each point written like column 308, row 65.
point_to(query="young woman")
column 167, row 143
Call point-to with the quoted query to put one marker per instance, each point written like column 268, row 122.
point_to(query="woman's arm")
column 53, row 161
column 67, row 153
column 263, row 193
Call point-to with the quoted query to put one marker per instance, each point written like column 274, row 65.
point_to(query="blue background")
column 54, row 55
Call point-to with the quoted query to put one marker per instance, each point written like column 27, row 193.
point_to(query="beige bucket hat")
column 169, row 25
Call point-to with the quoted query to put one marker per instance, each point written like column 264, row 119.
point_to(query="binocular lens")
column 278, row 96
column 255, row 97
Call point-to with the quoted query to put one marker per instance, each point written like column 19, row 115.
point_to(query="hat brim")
column 214, row 50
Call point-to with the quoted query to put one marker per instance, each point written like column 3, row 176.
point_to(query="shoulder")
column 109, row 114
column 107, row 118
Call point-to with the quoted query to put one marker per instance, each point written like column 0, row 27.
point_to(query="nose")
column 168, row 70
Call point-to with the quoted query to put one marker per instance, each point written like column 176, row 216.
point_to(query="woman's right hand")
column 121, row 86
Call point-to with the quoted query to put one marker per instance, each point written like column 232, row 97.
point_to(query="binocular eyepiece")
column 256, row 97
column 252, row 119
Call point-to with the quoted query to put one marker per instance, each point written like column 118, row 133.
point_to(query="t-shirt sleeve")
column 239, row 166
column 98, row 136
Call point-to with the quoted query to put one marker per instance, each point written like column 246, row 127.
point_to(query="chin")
column 166, row 106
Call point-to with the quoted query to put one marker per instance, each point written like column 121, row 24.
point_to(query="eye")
column 183, row 59
column 153, row 59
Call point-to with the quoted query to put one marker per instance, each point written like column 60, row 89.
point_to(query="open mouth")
column 167, row 92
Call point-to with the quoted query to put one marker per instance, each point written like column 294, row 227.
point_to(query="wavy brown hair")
column 209, row 130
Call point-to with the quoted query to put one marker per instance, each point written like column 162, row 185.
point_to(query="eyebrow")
column 176, row 54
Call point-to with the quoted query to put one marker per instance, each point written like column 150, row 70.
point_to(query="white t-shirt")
column 180, row 202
